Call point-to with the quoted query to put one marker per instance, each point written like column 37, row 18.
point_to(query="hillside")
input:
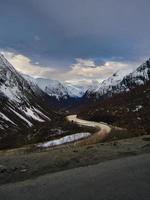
column 122, row 101
column 26, row 114
column 129, row 110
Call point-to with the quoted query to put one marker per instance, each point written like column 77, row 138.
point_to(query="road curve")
column 123, row 179
column 101, row 134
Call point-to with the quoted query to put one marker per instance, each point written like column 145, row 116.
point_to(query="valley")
column 45, row 128
column 74, row 100
column 35, row 110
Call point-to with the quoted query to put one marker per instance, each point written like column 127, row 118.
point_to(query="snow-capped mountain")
column 27, row 114
column 122, row 81
column 107, row 85
column 55, row 88
column 122, row 101
column 21, row 105
column 50, row 87
column 74, row 91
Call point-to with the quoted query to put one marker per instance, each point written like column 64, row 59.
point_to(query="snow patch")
column 24, row 119
column 64, row 140
column 6, row 118
column 40, row 113
column 10, row 92
column 139, row 107
column 29, row 112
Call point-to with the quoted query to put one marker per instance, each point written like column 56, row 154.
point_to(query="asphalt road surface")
column 123, row 179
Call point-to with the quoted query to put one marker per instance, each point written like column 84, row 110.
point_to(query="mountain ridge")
column 55, row 88
column 117, row 84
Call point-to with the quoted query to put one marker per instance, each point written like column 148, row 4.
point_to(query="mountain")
column 74, row 91
column 51, row 87
column 130, row 110
column 54, row 88
column 24, row 109
column 122, row 101
column 122, row 82
column 28, row 115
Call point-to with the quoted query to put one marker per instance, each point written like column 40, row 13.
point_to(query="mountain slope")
column 129, row 110
column 23, row 108
column 123, row 102
column 74, row 91
column 27, row 114
column 55, row 88
column 120, row 82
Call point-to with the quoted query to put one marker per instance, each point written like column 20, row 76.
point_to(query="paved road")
column 124, row 179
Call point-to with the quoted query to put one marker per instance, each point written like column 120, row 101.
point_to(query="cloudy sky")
column 74, row 40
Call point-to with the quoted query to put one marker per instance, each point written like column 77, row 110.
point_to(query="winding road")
column 79, row 138
column 101, row 134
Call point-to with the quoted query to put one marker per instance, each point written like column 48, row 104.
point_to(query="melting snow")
column 139, row 107
column 10, row 92
column 6, row 118
column 38, row 111
column 24, row 119
column 63, row 140
column 32, row 114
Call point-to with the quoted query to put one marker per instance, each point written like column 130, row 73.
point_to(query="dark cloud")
column 61, row 30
